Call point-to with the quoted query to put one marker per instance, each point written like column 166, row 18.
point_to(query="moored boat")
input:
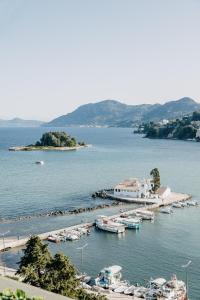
column 133, row 223
column 192, row 203
column 106, row 224
column 39, row 162
column 166, row 210
column 145, row 214
column 109, row 277
column 177, row 205
column 129, row 290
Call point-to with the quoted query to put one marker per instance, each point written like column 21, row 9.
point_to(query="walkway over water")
column 174, row 197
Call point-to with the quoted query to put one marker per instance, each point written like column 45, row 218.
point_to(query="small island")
column 59, row 141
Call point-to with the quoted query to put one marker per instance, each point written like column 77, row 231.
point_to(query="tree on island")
column 156, row 179
column 57, row 139
column 55, row 274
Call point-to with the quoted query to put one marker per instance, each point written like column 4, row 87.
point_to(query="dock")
column 173, row 198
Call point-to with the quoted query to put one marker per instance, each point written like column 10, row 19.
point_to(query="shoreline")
column 46, row 148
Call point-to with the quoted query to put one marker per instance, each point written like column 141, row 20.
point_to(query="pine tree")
column 60, row 276
column 33, row 263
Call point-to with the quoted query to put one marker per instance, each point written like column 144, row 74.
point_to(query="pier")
column 173, row 198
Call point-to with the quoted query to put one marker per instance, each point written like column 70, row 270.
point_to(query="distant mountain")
column 117, row 114
column 17, row 122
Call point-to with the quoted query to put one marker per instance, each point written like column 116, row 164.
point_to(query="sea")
column 67, row 180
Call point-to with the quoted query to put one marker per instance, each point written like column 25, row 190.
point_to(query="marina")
column 144, row 212
column 151, row 251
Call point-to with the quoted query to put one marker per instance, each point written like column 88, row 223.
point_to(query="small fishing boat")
column 109, row 277
column 166, row 210
column 106, row 224
column 129, row 290
column 133, row 223
column 145, row 214
column 39, row 162
column 140, row 292
column 192, row 203
column 177, row 205
column 53, row 238
column 120, row 289
column 71, row 236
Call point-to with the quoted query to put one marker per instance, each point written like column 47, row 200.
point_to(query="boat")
column 53, row 238
column 166, row 210
column 133, row 223
column 184, row 204
column 72, row 237
column 157, row 283
column 162, row 289
column 129, row 290
column 192, row 203
column 106, row 224
column 109, row 277
column 140, row 292
column 120, row 289
column 145, row 214
column 177, row 205
column 39, row 162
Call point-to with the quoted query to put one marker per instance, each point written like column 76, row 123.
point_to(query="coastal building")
column 133, row 188
column 164, row 122
column 163, row 192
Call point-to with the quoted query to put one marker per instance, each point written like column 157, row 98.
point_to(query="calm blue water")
column 67, row 180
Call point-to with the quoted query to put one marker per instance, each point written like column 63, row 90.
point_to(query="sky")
column 56, row 55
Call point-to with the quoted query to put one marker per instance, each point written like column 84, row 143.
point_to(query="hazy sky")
column 58, row 54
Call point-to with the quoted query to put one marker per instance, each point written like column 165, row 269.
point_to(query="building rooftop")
column 132, row 184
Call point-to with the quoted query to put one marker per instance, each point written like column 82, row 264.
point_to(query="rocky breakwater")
column 55, row 213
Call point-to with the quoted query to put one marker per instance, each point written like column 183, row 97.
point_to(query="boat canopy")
column 113, row 269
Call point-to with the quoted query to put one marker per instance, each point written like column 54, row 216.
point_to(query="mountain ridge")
column 18, row 122
column 114, row 113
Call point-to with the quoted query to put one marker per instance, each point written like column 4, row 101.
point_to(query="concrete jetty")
column 173, row 198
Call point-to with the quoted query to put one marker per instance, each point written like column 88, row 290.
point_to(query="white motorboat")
column 140, row 292
column 39, row 162
column 166, row 210
column 171, row 290
column 145, row 214
column 70, row 236
column 157, row 283
column 120, row 289
column 129, row 290
column 109, row 277
column 106, row 224
column 183, row 204
column 53, row 238
column 192, row 203
column 177, row 205
column 133, row 223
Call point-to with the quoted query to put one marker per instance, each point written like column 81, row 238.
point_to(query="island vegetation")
column 56, row 274
column 53, row 140
column 185, row 128
column 156, row 179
